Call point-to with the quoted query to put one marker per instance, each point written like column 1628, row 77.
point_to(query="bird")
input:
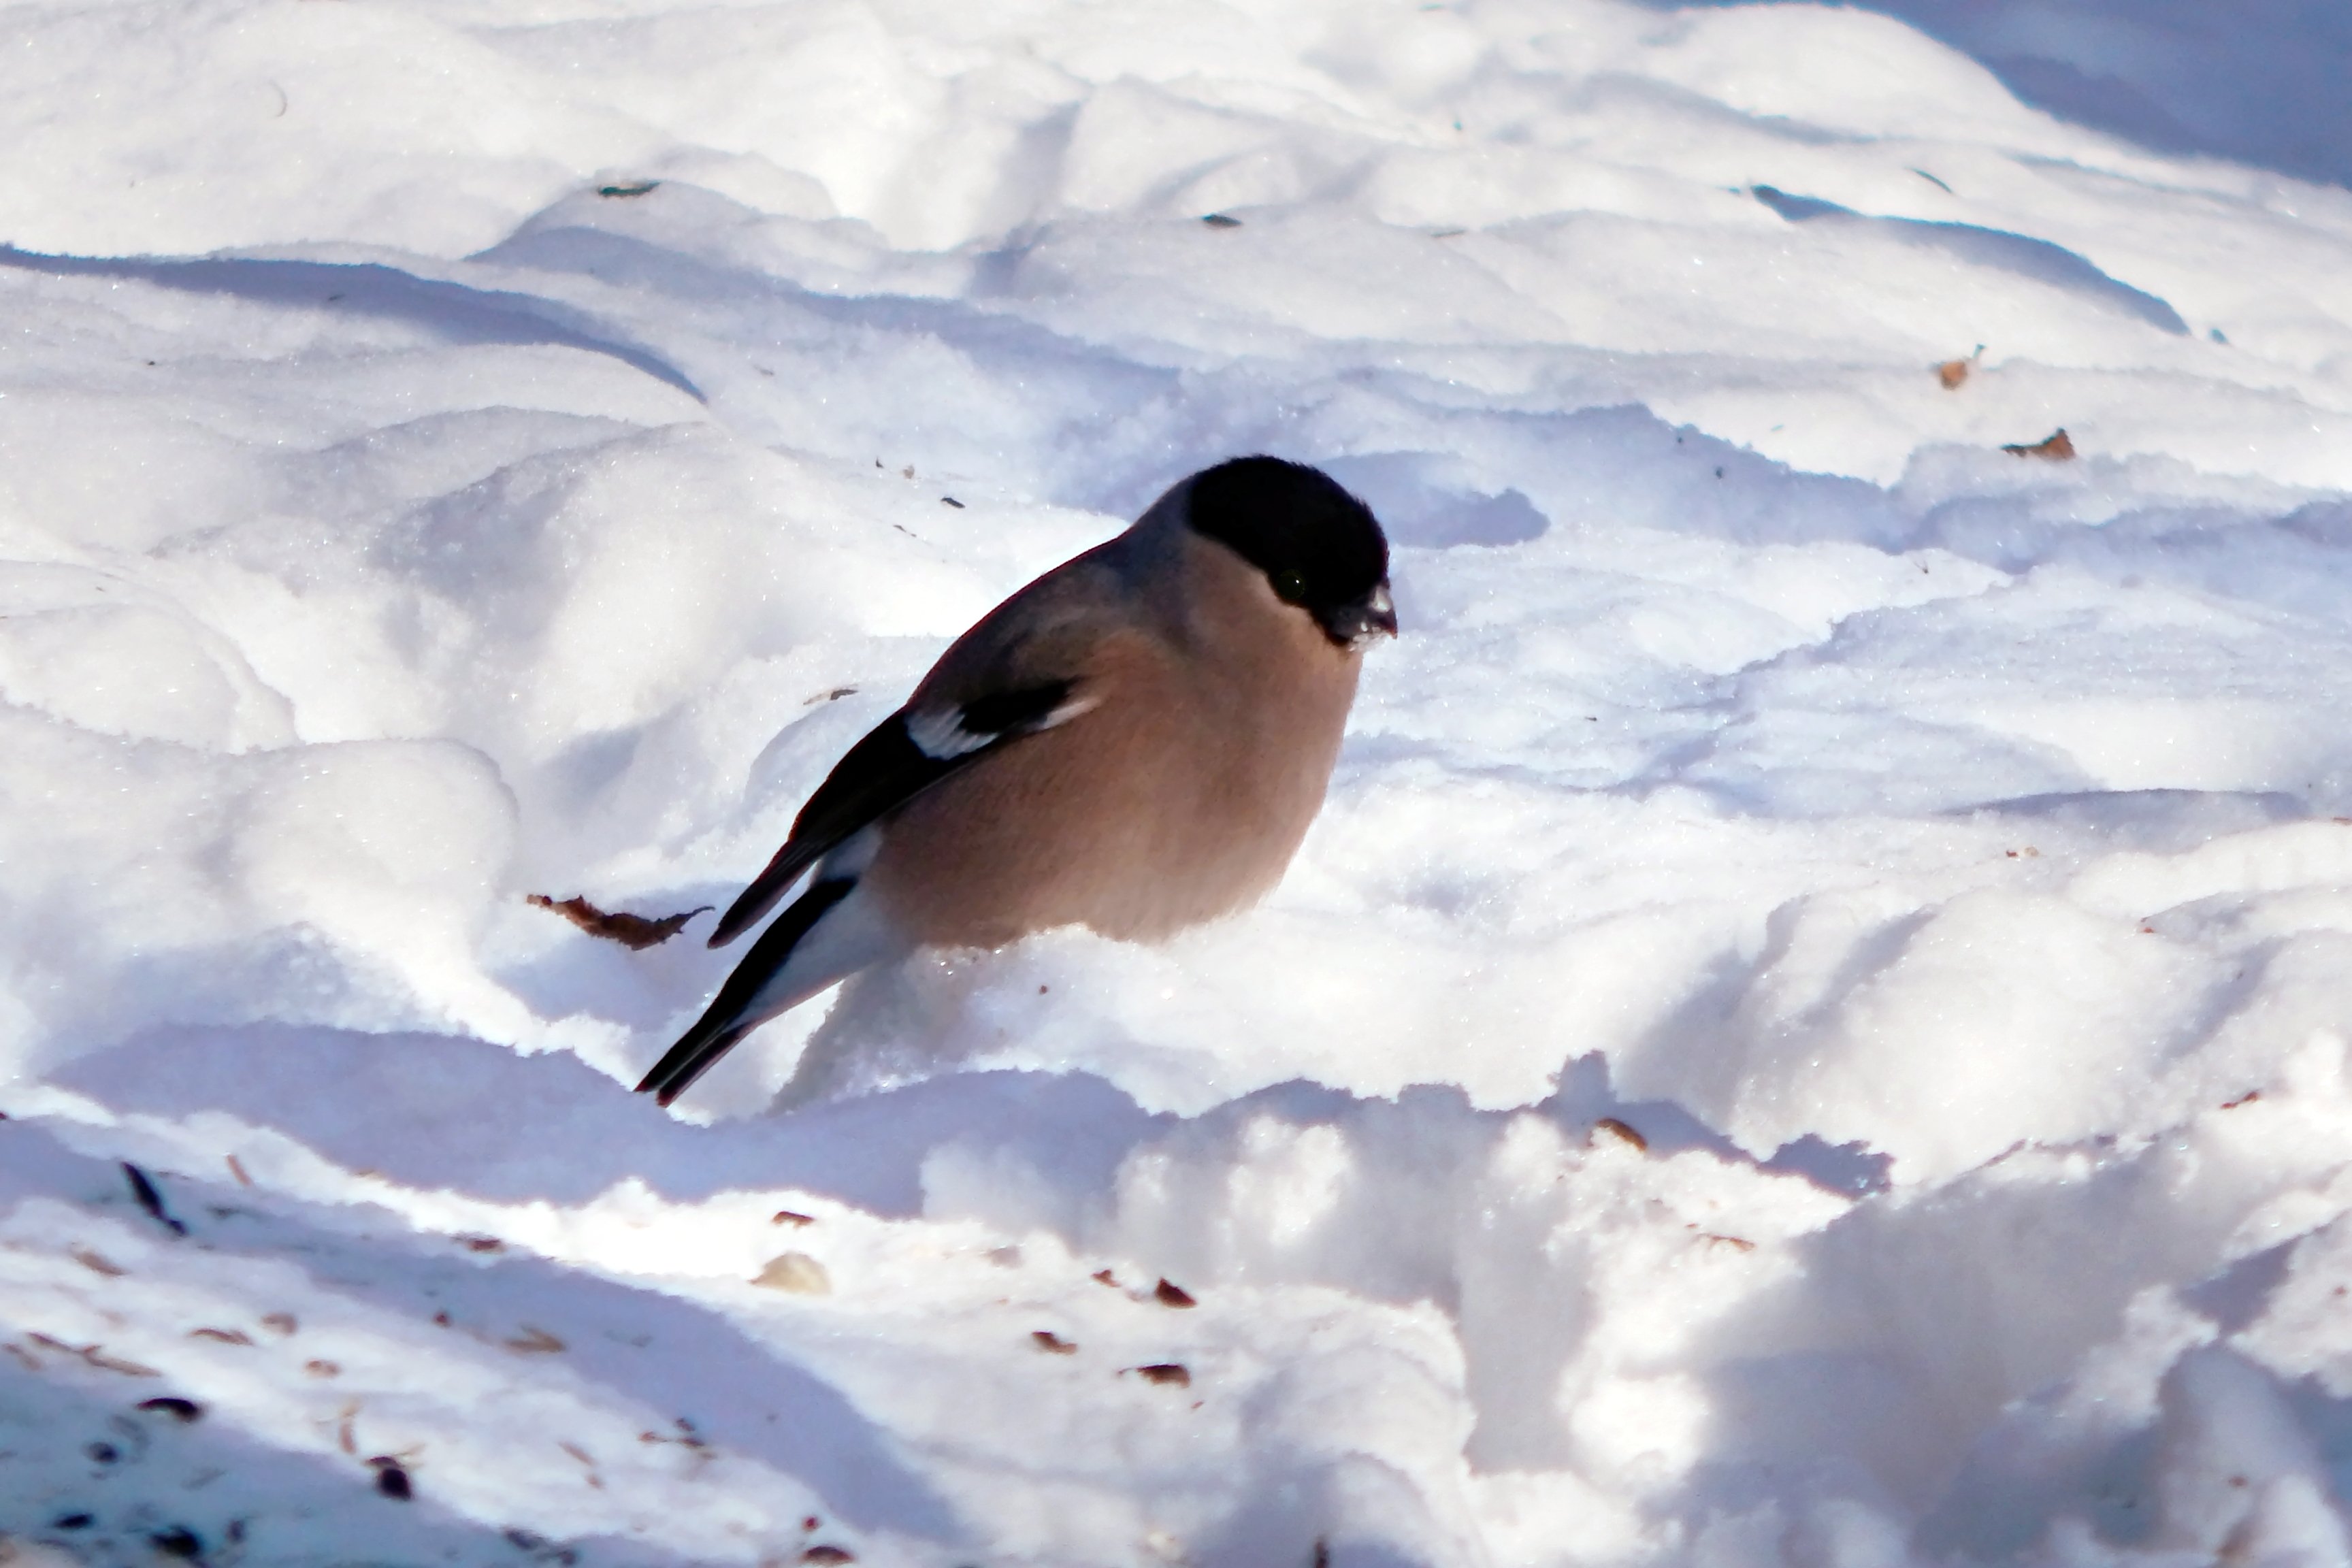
column 1135, row 742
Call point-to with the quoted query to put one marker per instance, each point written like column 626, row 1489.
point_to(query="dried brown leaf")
column 96, row 1263
column 534, row 1341
column 1622, row 1132
column 222, row 1336
column 634, row 932
column 1168, row 1293
column 1052, row 1343
column 1167, row 1372
column 2057, row 446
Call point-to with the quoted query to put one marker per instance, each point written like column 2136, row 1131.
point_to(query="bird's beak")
column 1353, row 626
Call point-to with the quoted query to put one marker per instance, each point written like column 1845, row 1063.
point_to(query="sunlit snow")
column 1815, row 1027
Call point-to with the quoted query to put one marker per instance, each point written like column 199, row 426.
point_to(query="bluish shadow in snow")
column 1420, row 502
column 647, row 1346
column 2021, row 254
column 449, row 313
column 2257, row 81
column 441, row 1111
column 2154, row 821
column 237, row 1498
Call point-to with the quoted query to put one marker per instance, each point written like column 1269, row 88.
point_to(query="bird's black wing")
column 900, row 758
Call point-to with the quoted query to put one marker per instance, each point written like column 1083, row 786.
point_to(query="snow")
column 1812, row 1031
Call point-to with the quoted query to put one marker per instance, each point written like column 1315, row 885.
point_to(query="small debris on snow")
column 1052, row 1343
column 1170, row 1294
column 1622, row 1132
column 634, row 932
column 796, row 1272
column 173, row 1406
column 143, row 1189
column 2057, row 446
column 1165, row 1371
column 390, row 1478
column 178, row 1541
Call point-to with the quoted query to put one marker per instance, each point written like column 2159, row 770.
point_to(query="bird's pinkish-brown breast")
column 1181, row 795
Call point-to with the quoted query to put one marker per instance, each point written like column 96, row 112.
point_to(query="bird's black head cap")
column 1320, row 547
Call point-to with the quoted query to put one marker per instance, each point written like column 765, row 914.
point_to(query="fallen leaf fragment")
column 1052, row 1343
column 222, row 1336
column 634, row 932
column 793, row 1218
column 1218, row 220
column 1952, row 373
column 282, row 1321
column 482, row 1244
column 96, row 1263
column 824, row 1553
column 1105, row 1277
column 322, row 1368
column 595, row 1482
column 1622, row 1132
column 105, row 1362
column 796, row 1272
column 236, row 1168
column 534, row 1341
column 1170, row 1294
column 1167, row 1372
column 173, row 1406
column 1737, row 1243
column 2246, row 1098
column 2057, row 446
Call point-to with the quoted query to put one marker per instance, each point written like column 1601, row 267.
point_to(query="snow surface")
column 1811, row 1031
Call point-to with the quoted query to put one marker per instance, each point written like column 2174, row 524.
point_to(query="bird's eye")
column 1290, row 587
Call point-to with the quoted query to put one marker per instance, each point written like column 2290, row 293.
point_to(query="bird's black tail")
column 738, row 1008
